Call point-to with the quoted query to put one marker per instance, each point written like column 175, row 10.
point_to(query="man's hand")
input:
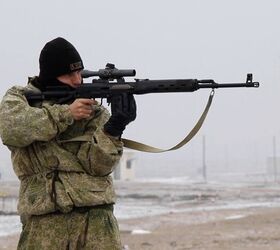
column 123, row 109
column 81, row 108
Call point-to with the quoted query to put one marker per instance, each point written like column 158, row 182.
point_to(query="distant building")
column 125, row 170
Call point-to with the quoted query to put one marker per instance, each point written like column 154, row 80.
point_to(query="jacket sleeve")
column 105, row 153
column 21, row 124
column 100, row 156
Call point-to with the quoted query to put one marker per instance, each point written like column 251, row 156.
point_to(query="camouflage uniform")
column 64, row 186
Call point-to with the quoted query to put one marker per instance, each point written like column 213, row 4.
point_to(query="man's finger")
column 87, row 101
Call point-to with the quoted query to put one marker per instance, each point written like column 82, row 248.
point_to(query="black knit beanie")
column 58, row 57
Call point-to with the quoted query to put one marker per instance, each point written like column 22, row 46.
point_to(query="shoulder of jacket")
column 17, row 89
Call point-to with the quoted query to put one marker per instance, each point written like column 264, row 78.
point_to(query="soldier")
column 66, row 192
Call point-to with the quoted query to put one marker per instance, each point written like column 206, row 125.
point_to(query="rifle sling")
column 146, row 148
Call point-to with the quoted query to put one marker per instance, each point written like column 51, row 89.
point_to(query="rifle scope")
column 110, row 72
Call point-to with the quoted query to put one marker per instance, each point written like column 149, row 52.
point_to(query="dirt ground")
column 231, row 229
column 247, row 229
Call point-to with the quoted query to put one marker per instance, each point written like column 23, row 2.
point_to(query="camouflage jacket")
column 55, row 175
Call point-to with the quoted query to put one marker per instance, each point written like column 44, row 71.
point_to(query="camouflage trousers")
column 94, row 228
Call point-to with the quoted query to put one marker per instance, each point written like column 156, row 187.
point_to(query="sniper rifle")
column 111, row 82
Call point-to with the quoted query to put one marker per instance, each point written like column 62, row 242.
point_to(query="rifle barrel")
column 228, row 85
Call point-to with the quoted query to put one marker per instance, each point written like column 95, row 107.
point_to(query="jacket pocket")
column 86, row 190
column 34, row 198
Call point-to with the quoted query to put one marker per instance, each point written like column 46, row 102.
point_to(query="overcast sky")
column 218, row 39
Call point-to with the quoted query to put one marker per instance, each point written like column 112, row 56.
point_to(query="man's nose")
column 76, row 77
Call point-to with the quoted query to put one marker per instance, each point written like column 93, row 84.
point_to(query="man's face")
column 73, row 79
